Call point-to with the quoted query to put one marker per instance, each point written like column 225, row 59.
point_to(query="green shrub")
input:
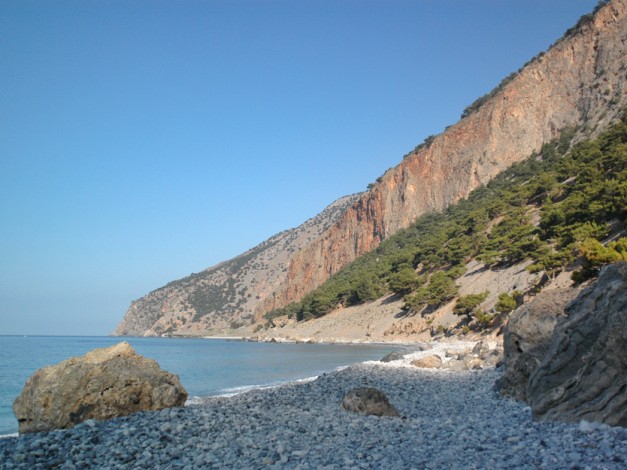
column 441, row 287
column 507, row 302
column 596, row 255
column 484, row 319
column 404, row 281
column 467, row 304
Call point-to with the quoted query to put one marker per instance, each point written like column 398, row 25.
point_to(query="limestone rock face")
column 102, row 384
column 551, row 93
column 369, row 401
column 527, row 338
column 229, row 292
column 584, row 373
column 580, row 80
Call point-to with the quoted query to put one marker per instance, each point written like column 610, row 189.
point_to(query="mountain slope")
column 579, row 81
column 554, row 218
column 225, row 295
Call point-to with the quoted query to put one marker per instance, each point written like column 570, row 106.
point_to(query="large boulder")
column 428, row 362
column 368, row 401
column 584, row 373
column 527, row 338
column 102, row 384
column 393, row 356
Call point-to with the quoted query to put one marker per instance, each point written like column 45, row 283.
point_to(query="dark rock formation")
column 493, row 358
column 393, row 356
column 102, row 384
column 368, row 401
column 527, row 338
column 584, row 374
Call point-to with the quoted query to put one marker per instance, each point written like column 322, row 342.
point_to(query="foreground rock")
column 584, row 374
column 393, row 356
column 428, row 362
column 368, row 401
column 450, row 421
column 102, row 384
column 527, row 339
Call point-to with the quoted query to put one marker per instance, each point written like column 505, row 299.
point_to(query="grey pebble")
column 450, row 420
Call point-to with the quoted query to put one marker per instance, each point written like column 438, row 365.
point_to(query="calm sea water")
column 206, row 367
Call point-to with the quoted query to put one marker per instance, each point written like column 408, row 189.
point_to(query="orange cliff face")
column 579, row 81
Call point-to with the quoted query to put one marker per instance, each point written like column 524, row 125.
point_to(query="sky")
column 143, row 141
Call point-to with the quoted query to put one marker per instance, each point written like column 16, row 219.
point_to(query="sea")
column 206, row 367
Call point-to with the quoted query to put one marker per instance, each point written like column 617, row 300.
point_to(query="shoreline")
column 448, row 420
column 330, row 341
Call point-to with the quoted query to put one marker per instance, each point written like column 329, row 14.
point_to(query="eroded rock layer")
column 583, row 375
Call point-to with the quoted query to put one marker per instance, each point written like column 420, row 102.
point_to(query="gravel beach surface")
column 448, row 420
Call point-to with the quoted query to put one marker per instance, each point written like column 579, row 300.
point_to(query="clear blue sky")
column 141, row 141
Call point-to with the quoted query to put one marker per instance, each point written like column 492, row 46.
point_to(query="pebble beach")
column 448, row 420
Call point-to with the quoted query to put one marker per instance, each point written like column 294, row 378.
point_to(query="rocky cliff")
column 580, row 81
column 227, row 295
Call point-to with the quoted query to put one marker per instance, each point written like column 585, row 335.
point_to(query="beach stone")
column 481, row 349
column 583, row 376
column 475, row 363
column 527, row 338
column 428, row 362
column 493, row 358
column 368, row 401
column 465, row 363
column 102, row 384
column 393, row 356
column 458, row 364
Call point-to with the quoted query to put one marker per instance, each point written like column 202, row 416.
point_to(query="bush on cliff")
column 467, row 304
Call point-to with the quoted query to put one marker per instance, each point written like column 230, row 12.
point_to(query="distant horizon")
column 143, row 142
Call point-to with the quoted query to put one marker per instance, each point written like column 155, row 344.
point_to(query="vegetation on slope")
column 553, row 208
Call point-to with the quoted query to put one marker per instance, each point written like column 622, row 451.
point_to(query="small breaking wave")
column 234, row 391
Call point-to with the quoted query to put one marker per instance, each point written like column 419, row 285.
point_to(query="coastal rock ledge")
column 583, row 376
column 102, row 384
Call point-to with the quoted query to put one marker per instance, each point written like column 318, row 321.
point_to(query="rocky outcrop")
column 393, row 356
column 428, row 362
column 454, row 355
column 368, row 401
column 583, row 375
column 527, row 338
column 102, row 384
column 580, row 80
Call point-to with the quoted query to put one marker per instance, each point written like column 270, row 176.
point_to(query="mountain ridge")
column 176, row 306
column 466, row 148
column 579, row 80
